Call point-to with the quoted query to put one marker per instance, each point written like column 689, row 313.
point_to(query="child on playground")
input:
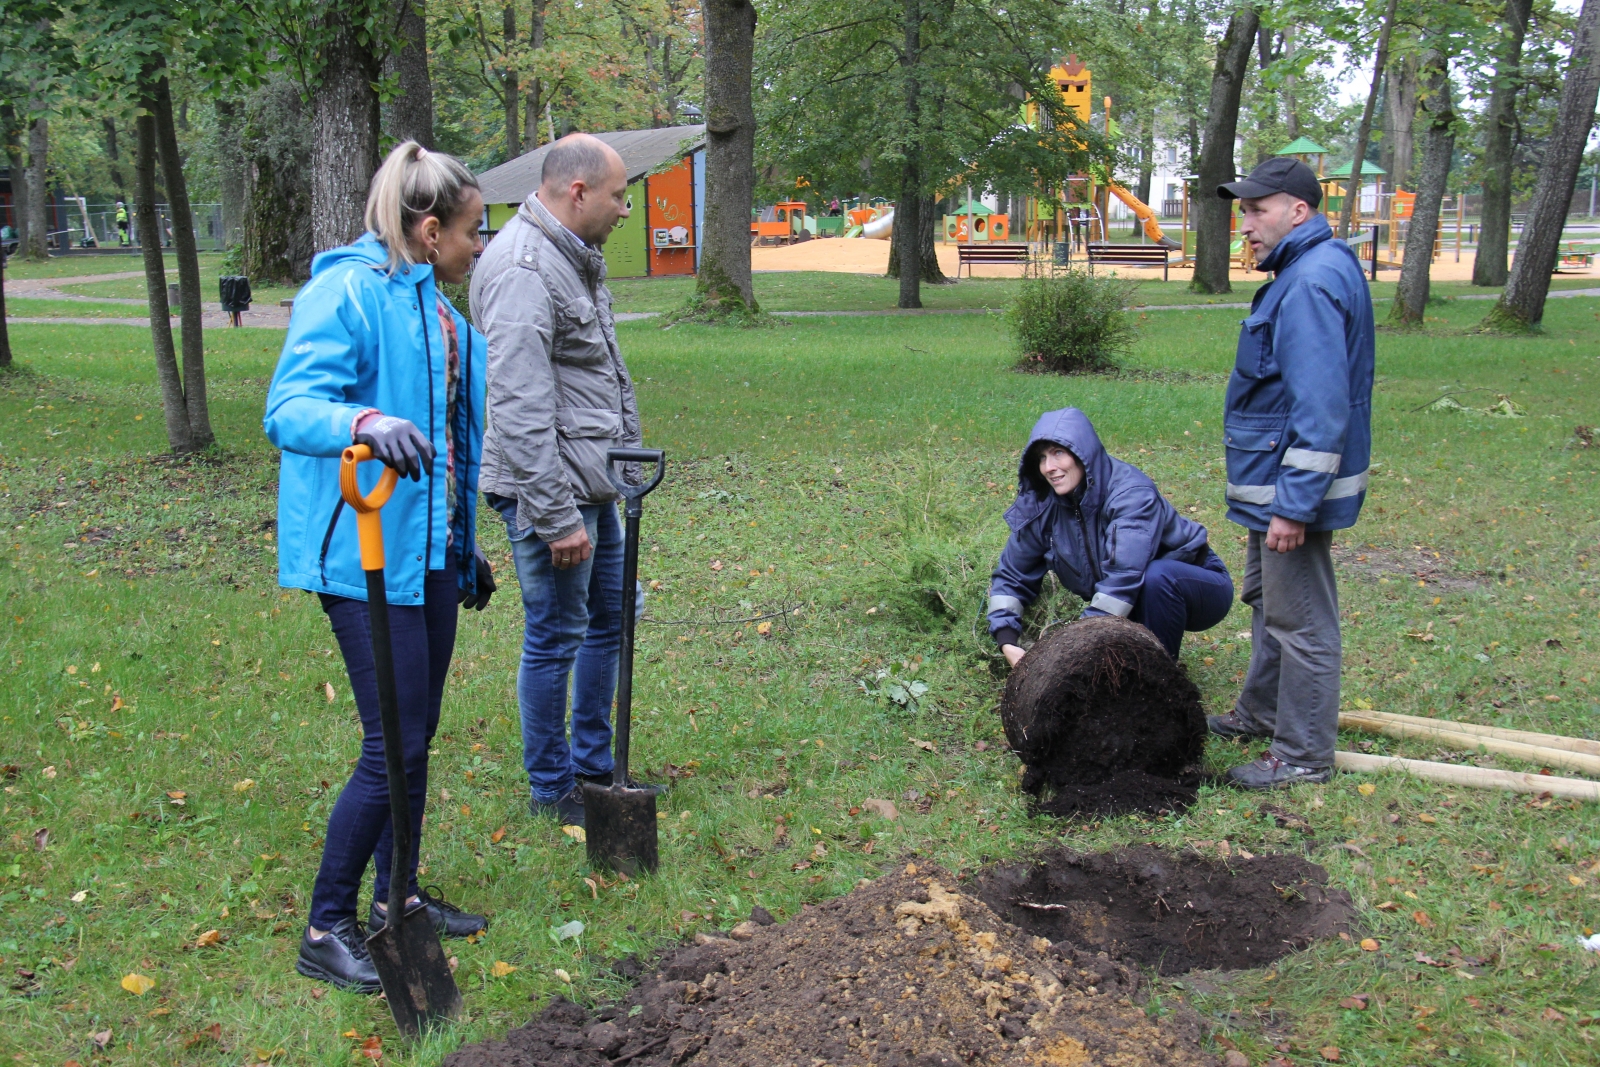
column 1110, row 537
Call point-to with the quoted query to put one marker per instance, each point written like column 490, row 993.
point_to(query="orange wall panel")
column 670, row 205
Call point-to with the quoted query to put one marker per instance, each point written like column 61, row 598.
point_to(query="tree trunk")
column 1400, row 121
column 928, row 232
column 1521, row 305
column 511, row 94
column 1499, row 144
column 908, row 206
column 277, row 223
column 183, row 246
column 535, row 88
column 37, row 246
column 1411, row 295
column 723, row 286
column 155, row 280
column 344, row 142
column 1291, row 99
column 230, row 166
column 1147, row 167
column 15, row 160
column 411, row 112
column 1352, row 191
column 5, row 336
column 113, row 156
column 1211, row 212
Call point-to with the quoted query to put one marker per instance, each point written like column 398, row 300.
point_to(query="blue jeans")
column 423, row 639
column 573, row 631
column 1183, row 596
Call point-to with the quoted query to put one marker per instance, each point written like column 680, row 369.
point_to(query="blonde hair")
column 412, row 184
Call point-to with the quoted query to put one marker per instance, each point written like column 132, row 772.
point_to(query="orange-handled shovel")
column 411, row 963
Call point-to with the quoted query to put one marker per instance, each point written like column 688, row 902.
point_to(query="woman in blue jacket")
column 1110, row 537
column 376, row 355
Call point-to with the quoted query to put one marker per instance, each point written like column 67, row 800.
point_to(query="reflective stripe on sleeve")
column 1343, row 487
column 1005, row 603
column 1307, row 460
column 1111, row 605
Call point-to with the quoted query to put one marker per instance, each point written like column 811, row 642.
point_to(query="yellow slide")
column 1152, row 229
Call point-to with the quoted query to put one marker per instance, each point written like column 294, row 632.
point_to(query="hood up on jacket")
column 1071, row 429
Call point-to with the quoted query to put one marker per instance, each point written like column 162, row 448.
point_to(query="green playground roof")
column 1344, row 171
column 1302, row 146
column 972, row 207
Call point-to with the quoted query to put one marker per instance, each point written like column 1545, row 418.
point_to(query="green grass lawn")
column 175, row 727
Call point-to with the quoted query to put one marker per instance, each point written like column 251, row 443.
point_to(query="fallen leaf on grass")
column 716, row 564
column 803, row 865
column 1422, row 919
column 498, row 836
column 212, row 1033
column 1550, row 1015
column 208, row 939
column 80, row 896
column 764, row 628
column 1329, row 1052
column 884, row 809
column 101, row 1039
column 41, row 838
column 926, row 746
column 1366, row 789
column 244, row 786
column 137, row 984
column 327, row 691
column 563, row 975
column 178, row 798
column 1356, row 1003
column 1425, row 817
column 501, row 968
column 372, row 1048
column 576, row 833
column 1387, row 905
column 116, row 703
column 1369, row 944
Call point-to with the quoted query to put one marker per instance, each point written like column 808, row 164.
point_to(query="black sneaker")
column 1232, row 725
column 448, row 919
column 339, row 957
column 1270, row 772
column 568, row 810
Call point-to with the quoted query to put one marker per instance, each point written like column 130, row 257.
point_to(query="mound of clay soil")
column 1099, row 698
column 900, row 973
column 1174, row 912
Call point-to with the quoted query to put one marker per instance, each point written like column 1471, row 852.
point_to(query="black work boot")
column 1270, row 772
column 566, row 810
column 448, row 919
column 339, row 957
column 1233, row 725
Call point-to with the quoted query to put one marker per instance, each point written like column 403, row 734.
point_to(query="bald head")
column 585, row 185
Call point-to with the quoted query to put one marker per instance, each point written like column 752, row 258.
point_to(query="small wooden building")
column 666, row 198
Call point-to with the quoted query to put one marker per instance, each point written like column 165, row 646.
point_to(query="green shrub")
column 1072, row 322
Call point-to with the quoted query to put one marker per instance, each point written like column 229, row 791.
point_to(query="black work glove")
column 399, row 444
column 479, row 600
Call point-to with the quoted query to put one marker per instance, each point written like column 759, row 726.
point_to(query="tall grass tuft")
column 1072, row 322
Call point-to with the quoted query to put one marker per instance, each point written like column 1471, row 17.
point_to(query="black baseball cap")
column 1280, row 174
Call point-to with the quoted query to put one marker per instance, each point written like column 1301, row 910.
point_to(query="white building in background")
column 1166, row 183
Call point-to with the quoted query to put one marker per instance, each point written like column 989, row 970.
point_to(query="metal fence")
column 95, row 226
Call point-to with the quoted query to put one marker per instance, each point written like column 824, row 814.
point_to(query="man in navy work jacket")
column 1298, row 430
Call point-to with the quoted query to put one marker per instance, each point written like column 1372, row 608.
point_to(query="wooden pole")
column 1569, row 744
column 1442, row 733
column 1470, row 777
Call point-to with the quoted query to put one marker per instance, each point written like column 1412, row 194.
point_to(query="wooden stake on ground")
column 1446, row 733
column 1527, row 737
column 1470, row 777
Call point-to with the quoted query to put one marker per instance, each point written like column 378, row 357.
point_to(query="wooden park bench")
column 1131, row 256
column 968, row 254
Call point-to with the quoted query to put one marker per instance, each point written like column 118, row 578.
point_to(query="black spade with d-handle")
column 411, row 964
column 620, row 818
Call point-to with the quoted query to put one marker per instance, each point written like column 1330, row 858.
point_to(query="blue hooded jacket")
column 362, row 338
column 1099, row 539
column 1298, row 421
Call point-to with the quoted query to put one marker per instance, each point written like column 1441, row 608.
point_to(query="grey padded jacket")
column 559, row 393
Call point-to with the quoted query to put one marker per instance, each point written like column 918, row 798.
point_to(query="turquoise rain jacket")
column 1298, row 422
column 361, row 338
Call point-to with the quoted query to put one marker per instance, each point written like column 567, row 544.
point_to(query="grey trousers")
column 1292, row 689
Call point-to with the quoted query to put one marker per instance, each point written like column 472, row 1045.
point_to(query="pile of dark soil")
column 1172, row 912
column 1104, row 718
column 900, row 973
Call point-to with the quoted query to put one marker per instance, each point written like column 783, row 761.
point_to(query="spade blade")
column 620, row 828
column 415, row 973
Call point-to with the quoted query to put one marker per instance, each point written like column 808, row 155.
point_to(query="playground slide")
column 880, row 228
column 1152, row 229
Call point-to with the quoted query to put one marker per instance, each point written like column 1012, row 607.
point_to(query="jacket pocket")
column 1255, row 347
column 1252, row 438
column 1252, row 455
column 581, row 340
column 588, row 422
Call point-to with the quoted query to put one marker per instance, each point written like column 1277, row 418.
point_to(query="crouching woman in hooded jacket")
column 1110, row 537
column 377, row 356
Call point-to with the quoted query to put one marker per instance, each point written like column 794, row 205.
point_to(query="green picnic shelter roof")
column 1302, row 146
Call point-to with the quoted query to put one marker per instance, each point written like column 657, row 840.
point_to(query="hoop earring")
column 433, row 256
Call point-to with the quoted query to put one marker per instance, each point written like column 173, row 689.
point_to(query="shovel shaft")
column 393, row 749
column 630, row 611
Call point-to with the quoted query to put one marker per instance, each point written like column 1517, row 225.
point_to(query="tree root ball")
column 1099, row 698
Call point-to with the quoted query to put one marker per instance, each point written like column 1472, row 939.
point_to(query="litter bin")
column 235, row 292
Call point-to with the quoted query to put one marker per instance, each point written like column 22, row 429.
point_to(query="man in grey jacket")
column 559, row 397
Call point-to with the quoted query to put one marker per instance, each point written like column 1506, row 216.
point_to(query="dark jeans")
column 1183, row 596
column 571, row 637
column 358, row 827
